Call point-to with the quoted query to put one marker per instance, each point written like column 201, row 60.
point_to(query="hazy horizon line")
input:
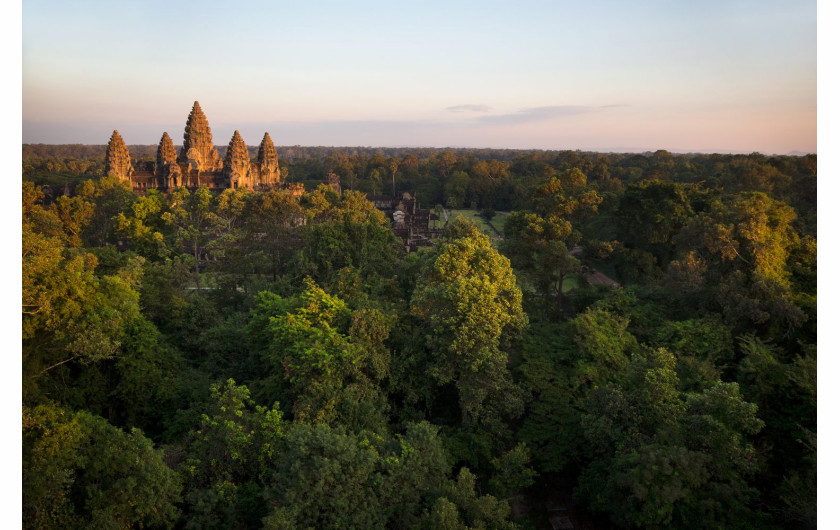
column 611, row 150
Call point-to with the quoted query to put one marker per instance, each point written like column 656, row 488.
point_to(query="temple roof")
column 198, row 141
column 166, row 151
column 117, row 157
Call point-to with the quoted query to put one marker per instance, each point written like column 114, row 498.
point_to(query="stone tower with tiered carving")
column 199, row 164
column 167, row 170
column 267, row 166
column 237, row 166
column 334, row 182
column 117, row 158
column 198, row 152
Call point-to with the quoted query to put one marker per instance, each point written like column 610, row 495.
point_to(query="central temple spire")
column 198, row 150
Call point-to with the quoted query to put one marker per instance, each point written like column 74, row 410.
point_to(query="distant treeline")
column 500, row 179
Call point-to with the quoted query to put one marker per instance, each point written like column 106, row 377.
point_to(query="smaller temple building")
column 408, row 221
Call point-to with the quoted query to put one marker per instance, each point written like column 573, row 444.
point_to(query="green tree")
column 783, row 383
column 461, row 507
column 469, row 301
column 512, row 472
column 69, row 313
column 703, row 347
column 75, row 214
column 393, row 166
column 566, row 197
column 321, row 358
column 375, row 182
column 488, row 214
column 551, row 424
column 537, row 247
column 230, row 250
column 144, row 227
column 79, row 471
column 661, row 458
column 751, row 228
column 366, row 246
column 743, row 245
column 539, row 242
column 604, row 346
column 416, row 472
column 142, row 382
column 230, row 459
column 194, row 219
column 270, row 229
column 111, row 197
column 456, row 188
column 325, row 479
column 445, row 162
column 651, row 213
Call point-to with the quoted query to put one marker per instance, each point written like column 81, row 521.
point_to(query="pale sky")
column 724, row 76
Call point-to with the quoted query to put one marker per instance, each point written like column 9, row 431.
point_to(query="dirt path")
column 595, row 277
column 493, row 228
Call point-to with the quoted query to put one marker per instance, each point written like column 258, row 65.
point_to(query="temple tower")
column 117, row 158
column 269, row 169
column 167, row 170
column 334, row 182
column 198, row 151
column 237, row 164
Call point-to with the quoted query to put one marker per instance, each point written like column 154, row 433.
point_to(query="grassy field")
column 498, row 221
column 440, row 223
column 570, row 282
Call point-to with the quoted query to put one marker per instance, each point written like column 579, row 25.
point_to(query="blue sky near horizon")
column 733, row 76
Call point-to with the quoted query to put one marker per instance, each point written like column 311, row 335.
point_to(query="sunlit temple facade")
column 198, row 162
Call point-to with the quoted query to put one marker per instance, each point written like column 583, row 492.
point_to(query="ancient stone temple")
column 409, row 222
column 198, row 150
column 117, row 158
column 268, row 169
column 198, row 162
column 334, row 181
column 237, row 164
column 167, row 170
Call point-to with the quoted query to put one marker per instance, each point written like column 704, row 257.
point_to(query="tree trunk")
column 197, row 277
column 560, row 296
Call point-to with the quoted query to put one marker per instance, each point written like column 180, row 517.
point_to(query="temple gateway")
column 198, row 163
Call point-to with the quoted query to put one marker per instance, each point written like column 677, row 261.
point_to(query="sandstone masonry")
column 198, row 163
